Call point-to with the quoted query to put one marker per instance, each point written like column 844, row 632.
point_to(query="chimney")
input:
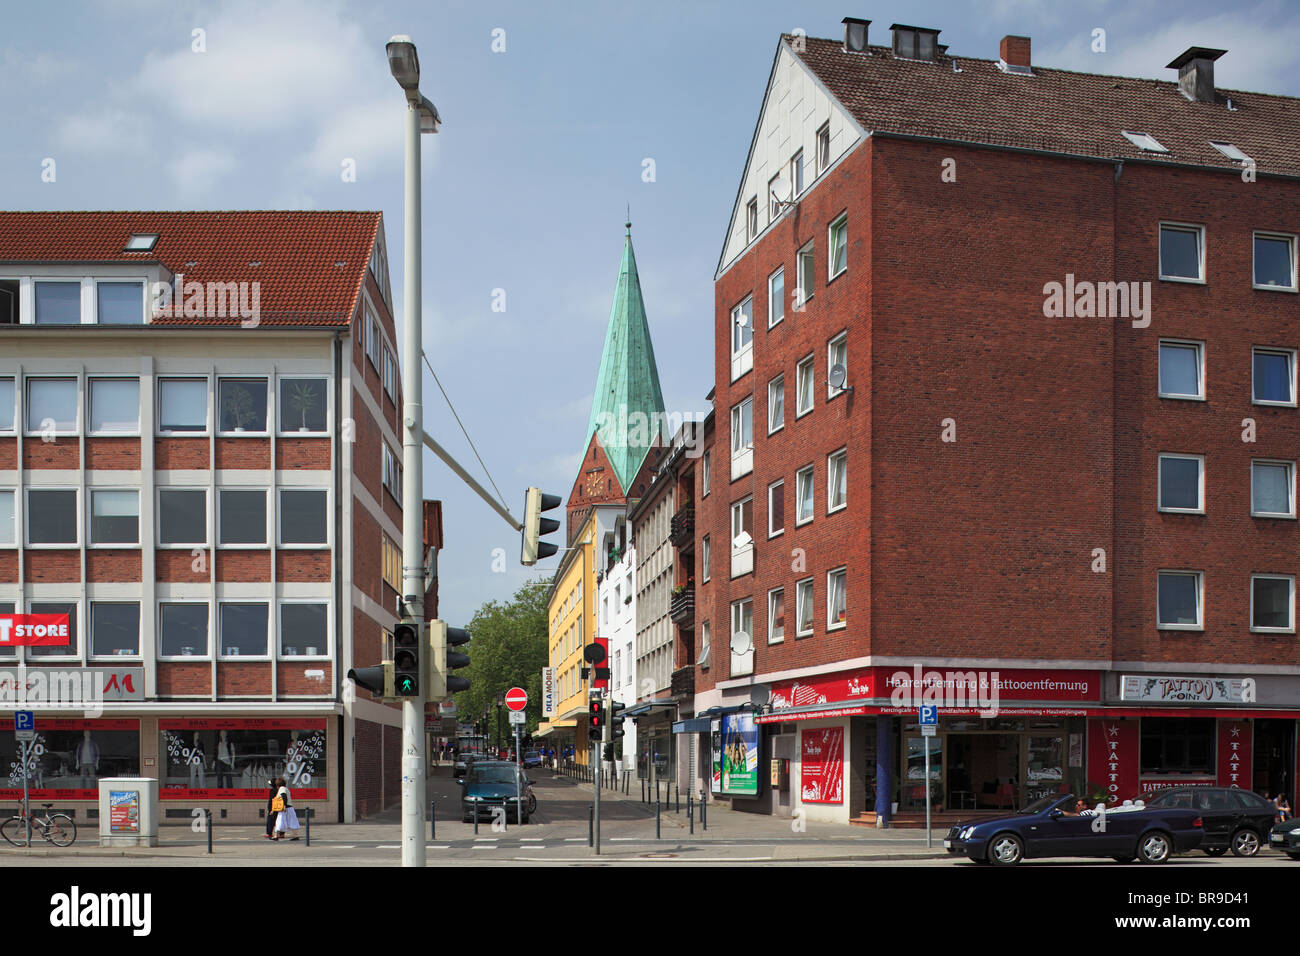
column 1195, row 67
column 1014, row 54
column 855, row 35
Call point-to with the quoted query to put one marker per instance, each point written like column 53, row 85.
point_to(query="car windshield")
column 1038, row 806
column 493, row 775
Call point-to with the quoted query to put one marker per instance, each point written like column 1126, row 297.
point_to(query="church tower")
column 627, row 408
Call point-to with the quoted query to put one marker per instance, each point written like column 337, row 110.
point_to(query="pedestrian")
column 1283, row 808
column 271, row 812
column 287, row 821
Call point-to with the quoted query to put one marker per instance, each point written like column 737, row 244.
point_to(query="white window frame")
column 841, row 339
column 141, row 281
column 207, row 650
column 1144, row 141
column 1291, row 355
column 776, row 486
column 742, row 455
column 823, row 141
column 742, row 355
column 271, row 635
column 269, row 411
column 841, row 220
column 1200, row 243
column 208, row 528
column 17, row 519
column 85, row 302
column 804, row 292
column 1290, row 628
column 1290, row 240
column 90, row 631
column 390, row 375
column 282, row 411
column 1200, row 495
column 773, row 204
column 373, row 338
column 278, row 626
column 842, row 454
column 751, row 219
column 1200, row 363
column 1200, row 600
column 91, row 543
column 13, row 380
column 1290, row 478
column 799, row 599
column 807, row 365
column 843, row 572
column 209, row 421
column 771, row 615
column 279, row 518
column 772, row 318
column 706, row 552
column 775, row 387
column 797, row 172
column 266, row 524
column 27, row 518
column 90, row 402
column 704, row 475
column 79, row 403
column 806, row 475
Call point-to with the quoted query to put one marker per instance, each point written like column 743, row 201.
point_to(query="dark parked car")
column 490, row 784
column 1050, row 827
column 1285, row 836
column 532, row 758
column 1233, row 819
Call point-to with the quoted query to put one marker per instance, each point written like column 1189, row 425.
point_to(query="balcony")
column 682, row 608
column 682, row 533
column 683, row 685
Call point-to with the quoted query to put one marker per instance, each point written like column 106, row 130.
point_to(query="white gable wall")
column 796, row 106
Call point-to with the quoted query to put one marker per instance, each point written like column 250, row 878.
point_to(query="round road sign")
column 516, row 698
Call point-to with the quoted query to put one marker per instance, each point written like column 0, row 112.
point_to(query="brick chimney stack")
column 1014, row 52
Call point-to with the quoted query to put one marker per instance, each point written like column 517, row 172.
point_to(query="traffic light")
column 406, row 659
column 595, row 719
column 615, row 717
column 377, row 679
column 440, row 683
column 534, row 549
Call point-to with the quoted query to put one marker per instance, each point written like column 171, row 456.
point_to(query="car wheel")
column 1215, row 851
column 1006, row 849
column 1245, row 842
column 1154, row 847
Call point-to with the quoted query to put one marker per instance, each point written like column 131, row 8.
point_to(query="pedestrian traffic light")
column 377, row 679
column 595, row 718
column 406, row 659
column 440, row 683
column 534, row 549
column 615, row 717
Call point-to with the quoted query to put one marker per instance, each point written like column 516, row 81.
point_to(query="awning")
column 693, row 725
column 640, row 710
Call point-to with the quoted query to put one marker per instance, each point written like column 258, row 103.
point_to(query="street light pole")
column 421, row 116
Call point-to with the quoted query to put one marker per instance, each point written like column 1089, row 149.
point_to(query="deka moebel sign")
column 35, row 630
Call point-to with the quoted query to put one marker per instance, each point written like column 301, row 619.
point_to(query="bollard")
column 433, row 824
column 657, row 816
column 591, row 825
column 690, row 812
column 476, row 816
column 307, row 814
column 209, row 831
column 641, row 780
column 677, row 793
column 704, row 812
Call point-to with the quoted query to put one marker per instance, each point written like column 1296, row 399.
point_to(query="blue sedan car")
column 1062, row 826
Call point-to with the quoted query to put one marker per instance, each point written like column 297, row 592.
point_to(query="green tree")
column 507, row 648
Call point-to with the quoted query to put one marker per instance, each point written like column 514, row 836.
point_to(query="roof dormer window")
column 1232, row 152
column 915, row 43
column 1144, row 142
column 141, row 242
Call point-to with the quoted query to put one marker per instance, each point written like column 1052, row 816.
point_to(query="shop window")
column 1178, row 745
column 75, row 756
column 244, row 757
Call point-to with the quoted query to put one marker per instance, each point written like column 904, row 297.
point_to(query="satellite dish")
column 741, row 540
column 742, row 320
column 741, row 643
column 838, row 376
column 780, row 189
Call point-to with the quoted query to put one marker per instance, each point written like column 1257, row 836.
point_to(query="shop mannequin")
column 87, row 760
column 198, row 768
column 225, row 761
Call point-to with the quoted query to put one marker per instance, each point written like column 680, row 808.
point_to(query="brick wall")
column 113, row 565
column 242, row 678
column 178, row 565
column 8, row 454
column 243, row 565
column 293, row 679
column 47, row 567
column 62, row 453
column 113, row 454
column 175, row 454
column 302, row 565
column 302, row 454
column 244, row 453
column 185, row 679
column 9, row 566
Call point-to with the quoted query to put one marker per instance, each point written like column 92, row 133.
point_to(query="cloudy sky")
column 526, row 187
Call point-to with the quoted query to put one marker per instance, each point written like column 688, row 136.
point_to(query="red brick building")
column 1089, row 506
column 200, row 465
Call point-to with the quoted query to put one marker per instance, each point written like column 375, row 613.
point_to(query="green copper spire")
column 628, row 406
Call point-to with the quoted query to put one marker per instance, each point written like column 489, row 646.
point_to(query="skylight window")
column 141, row 242
column 1144, row 142
column 1232, row 152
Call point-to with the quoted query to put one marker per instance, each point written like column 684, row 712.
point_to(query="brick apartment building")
column 211, row 490
column 1099, row 508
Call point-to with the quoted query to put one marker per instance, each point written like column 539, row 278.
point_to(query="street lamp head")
column 404, row 62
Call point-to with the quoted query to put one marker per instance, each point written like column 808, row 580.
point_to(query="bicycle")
column 56, row 828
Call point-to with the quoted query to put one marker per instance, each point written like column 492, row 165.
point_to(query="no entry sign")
column 516, row 698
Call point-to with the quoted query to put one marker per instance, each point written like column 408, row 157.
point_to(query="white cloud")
column 104, row 130
column 197, row 171
column 369, row 133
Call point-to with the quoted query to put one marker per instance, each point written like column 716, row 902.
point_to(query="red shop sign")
column 34, row 630
column 245, row 723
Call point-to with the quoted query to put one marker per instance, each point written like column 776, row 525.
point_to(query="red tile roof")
column 1054, row 110
column 311, row 264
